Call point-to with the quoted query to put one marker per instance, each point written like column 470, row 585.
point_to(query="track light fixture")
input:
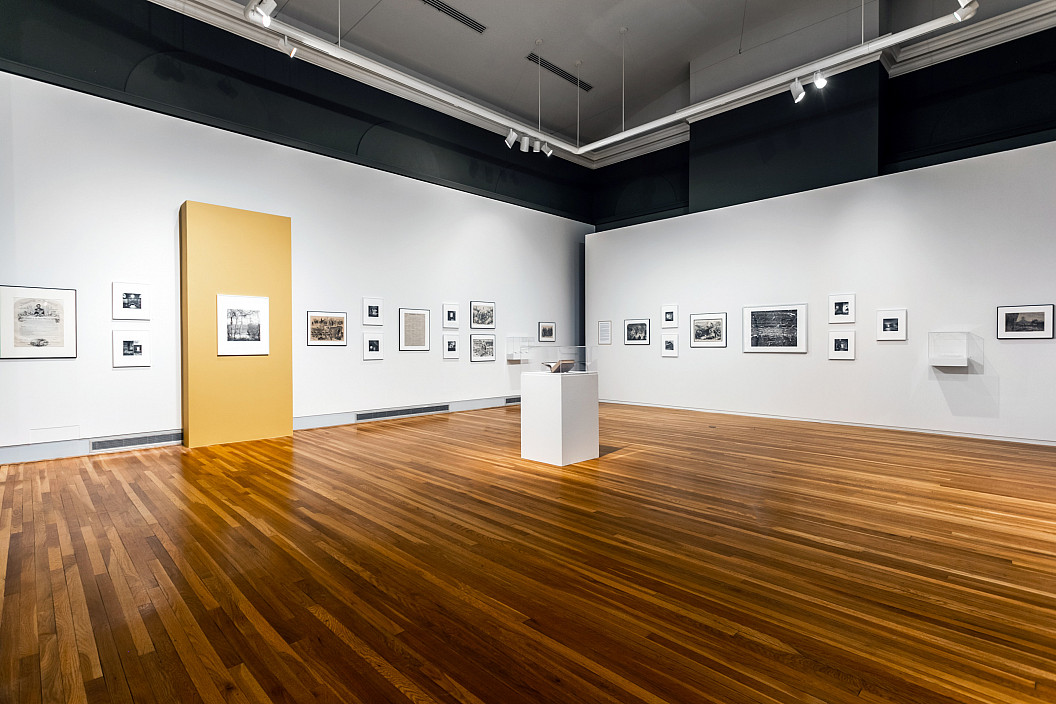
column 967, row 10
column 797, row 90
column 511, row 138
column 547, row 150
column 819, row 80
column 287, row 48
column 260, row 11
column 526, row 143
column 537, row 145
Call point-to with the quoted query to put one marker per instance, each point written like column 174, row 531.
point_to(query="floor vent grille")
column 392, row 413
column 558, row 71
column 108, row 444
column 456, row 15
column 513, row 399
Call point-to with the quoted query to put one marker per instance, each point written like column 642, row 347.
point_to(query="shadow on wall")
column 968, row 391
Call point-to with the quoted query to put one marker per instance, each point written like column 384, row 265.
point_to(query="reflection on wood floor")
column 702, row 558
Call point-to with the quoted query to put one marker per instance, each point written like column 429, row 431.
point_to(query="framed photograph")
column 841, row 308
column 131, row 301
column 327, row 329
column 482, row 314
column 707, row 330
column 451, row 316
column 38, row 323
column 131, row 348
column 669, row 316
column 373, row 345
column 891, row 324
column 669, row 345
column 1024, row 322
column 604, row 332
column 414, row 329
column 841, row 345
column 636, row 331
column 547, row 332
column 450, row 346
column 775, row 328
column 481, row 348
column 242, row 327
column 372, row 311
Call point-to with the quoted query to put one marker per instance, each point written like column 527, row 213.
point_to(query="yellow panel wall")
column 235, row 252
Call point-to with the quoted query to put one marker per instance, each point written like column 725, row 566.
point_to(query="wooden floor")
column 703, row 558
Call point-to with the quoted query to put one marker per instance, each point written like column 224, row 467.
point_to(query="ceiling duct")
column 558, row 71
column 456, row 15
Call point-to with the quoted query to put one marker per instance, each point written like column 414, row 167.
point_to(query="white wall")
column 950, row 243
column 90, row 192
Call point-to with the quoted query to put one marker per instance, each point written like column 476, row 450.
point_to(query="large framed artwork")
column 891, row 324
column 636, row 331
column 1024, row 322
column 547, row 332
column 481, row 348
column 131, row 348
column 775, row 328
column 482, row 314
column 372, row 311
column 841, row 308
column 841, row 344
column 707, row 330
column 38, row 323
column 327, row 328
column 450, row 312
column 414, row 329
column 373, row 346
column 669, row 316
column 131, row 301
column 242, row 326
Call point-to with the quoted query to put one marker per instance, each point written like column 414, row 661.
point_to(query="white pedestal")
column 559, row 417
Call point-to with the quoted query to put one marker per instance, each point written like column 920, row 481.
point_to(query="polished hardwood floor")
column 702, row 558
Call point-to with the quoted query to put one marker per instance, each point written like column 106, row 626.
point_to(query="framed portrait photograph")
column 669, row 345
column 604, row 332
column 372, row 311
column 841, row 344
column 327, row 329
column 414, row 329
column 38, row 323
column 372, row 345
column 131, row 348
column 707, row 330
column 636, row 331
column 841, row 308
column 669, row 316
column 547, row 332
column 1024, row 322
column 130, row 301
column 482, row 314
column 481, row 348
column 242, row 326
column 450, row 346
column 775, row 328
column 450, row 313
column 891, row 324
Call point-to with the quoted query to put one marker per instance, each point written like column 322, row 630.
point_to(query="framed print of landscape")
column 482, row 314
column 327, row 329
column 38, row 323
column 891, row 324
column 1024, row 322
column 775, row 328
column 636, row 331
column 481, row 348
column 707, row 330
column 242, row 325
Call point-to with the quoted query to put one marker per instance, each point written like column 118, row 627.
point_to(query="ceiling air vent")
column 455, row 14
column 558, row 71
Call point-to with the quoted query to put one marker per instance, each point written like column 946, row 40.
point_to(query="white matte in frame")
column 377, row 349
column 841, row 344
column 707, row 329
column 373, row 311
column 450, row 316
column 891, row 324
column 669, row 345
column 131, row 301
column 27, row 340
column 249, row 347
column 669, row 316
column 450, row 346
column 841, row 308
column 131, row 348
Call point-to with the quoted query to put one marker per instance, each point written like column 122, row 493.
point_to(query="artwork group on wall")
column 669, row 316
column 1024, row 322
column 450, row 313
column 242, row 325
column 130, row 301
column 891, row 324
column 482, row 314
column 707, row 330
column 414, row 329
column 547, row 332
column 669, row 345
column 841, row 344
column 373, row 348
column 372, row 311
column 841, row 308
column 636, row 331
column 38, row 323
column 450, row 346
column 775, row 328
column 482, row 348
column 327, row 328
column 131, row 348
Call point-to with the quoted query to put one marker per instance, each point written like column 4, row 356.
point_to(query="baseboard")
column 35, row 452
column 329, row 420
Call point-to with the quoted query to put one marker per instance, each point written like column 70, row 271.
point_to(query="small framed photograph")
column 636, row 331
column 841, row 308
column 841, row 345
column 414, row 329
column 669, row 345
column 450, row 312
column 242, row 326
column 38, row 323
column 547, row 332
column 482, row 314
column 669, row 316
column 327, row 329
column 1024, row 322
column 450, row 346
column 131, row 348
column 372, row 311
column 604, row 332
column 373, row 345
column 891, row 324
column 131, row 301
column 481, row 348
column 707, row 330
column 775, row 328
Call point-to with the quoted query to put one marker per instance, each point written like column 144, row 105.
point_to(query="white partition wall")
column 948, row 243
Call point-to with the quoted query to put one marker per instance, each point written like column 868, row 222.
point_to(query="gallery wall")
column 90, row 192
column 949, row 243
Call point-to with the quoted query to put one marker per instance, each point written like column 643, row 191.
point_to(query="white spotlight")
column 967, row 10
column 511, row 138
column 547, row 150
column 536, row 145
column 287, row 48
column 526, row 143
column 819, row 80
column 260, row 11
column 797, row 90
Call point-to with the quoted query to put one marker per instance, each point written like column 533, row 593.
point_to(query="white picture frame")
column 669, row 316
column 130, row 301
column 636, row 331
column 707, row 329
column 450, row 343
column 242, row 326
column 1025, row 322
column 841, row 344
column 373, row 311
column 482, row 348
column 38, row 323
column 669, row 345
column 414, row 329
column 373, row 345
column 841, row 308
column 604, row 332
column 131, row 348
column 327, row 328
column 775, row 329
column 450, row 315
column 547, row 332
column 482, row 315
column 891, row 324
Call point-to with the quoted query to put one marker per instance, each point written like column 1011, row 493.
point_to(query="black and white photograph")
column 604, row 332
column 841, row 308
column 450, row 346
column 414, row 330
column 130, row 301
column 707, row 330
column 891, row 324
column 131, row 348
column 669, row 345
column 775, row 328
column 636, row 331
column 841, row 344
column 1025, row 322
column 482, row 314
column 669, row 316
column 373, row 346
column 327, row 329
column 547, row 332
column 450, row 316
column 482, row 348
column 373, row 311
column 242, row 325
